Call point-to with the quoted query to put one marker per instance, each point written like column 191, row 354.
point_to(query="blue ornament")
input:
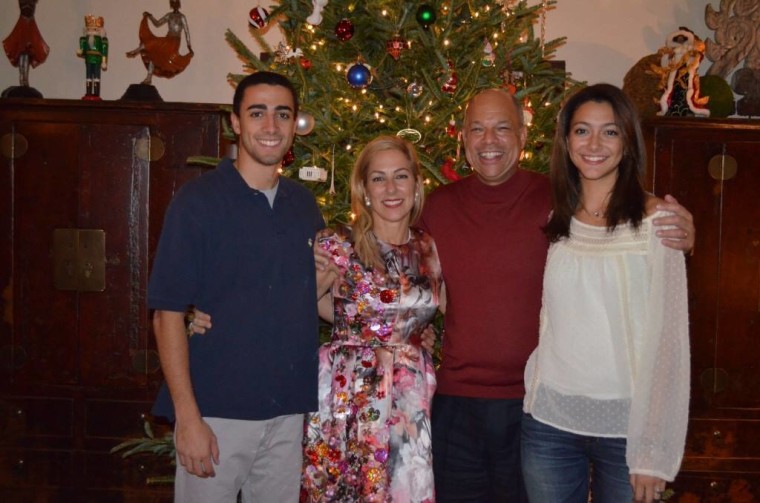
column 359, row 76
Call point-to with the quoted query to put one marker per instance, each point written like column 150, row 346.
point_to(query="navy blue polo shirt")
column 224, row 250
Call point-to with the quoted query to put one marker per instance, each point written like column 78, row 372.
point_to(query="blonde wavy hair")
column 365, row 243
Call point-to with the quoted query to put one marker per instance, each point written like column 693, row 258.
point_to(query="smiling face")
column 594, row 142
column 493, row 136
column 266, row 125
column 391, row 186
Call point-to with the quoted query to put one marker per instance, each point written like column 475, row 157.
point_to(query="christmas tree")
column 365, row 68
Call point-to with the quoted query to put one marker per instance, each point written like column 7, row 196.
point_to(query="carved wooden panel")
column 78, row 367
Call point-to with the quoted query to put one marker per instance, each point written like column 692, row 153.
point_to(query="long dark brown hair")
column 627, row 203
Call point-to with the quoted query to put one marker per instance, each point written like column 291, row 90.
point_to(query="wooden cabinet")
column 713, row 168
column 83, row 190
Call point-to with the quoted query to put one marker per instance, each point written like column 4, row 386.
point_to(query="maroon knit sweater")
column 492, row 251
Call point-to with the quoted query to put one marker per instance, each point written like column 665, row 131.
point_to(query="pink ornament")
column 257, row 18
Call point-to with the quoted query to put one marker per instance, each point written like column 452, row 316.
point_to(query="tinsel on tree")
column 369, row 67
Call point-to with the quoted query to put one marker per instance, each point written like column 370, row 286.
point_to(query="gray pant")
column 260, row 458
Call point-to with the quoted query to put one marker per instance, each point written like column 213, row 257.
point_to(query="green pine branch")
column 347, row 118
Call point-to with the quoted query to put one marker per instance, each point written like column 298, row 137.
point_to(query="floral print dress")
column 370, row 439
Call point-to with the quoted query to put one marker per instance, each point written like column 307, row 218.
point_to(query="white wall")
column 605, row 38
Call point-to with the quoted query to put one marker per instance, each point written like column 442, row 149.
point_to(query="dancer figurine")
column 161, row 54
column 93, row 47
column 25, row 47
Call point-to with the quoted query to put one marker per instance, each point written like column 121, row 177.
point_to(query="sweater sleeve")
column 660, row 404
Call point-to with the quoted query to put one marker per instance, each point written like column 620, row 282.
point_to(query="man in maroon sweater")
column 488, row 232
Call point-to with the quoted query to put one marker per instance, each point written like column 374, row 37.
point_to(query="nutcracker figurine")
column 93, row 47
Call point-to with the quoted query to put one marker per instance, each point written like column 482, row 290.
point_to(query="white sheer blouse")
column 613, row 353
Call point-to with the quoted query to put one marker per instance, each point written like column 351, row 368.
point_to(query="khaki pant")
column 260, row 458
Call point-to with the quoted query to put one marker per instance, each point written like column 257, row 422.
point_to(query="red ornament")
column 344, row 30
column 448, row 171
column 257, row 18
column 387, row 296
column 451, row 129
column 289, row 158
column 395, row 46
column 305, row 63
column 452, row 80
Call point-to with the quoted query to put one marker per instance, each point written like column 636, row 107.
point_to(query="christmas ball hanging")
column 395, row 46
column 305, row 63
column 304, row 123
column 414, row 89
column 344, row 30
column 257, row 18
column 425, row 16
column 359, row 76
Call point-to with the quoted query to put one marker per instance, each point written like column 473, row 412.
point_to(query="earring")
column 367, row 202
column 416, row 195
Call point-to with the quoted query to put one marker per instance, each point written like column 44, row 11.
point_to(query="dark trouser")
column 476, row 450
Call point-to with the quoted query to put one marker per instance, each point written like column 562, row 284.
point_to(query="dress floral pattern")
column 370, row 439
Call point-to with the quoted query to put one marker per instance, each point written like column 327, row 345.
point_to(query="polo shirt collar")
column 234, row 182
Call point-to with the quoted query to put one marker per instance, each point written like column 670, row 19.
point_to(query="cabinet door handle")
column 13, row 145
column 722, row 167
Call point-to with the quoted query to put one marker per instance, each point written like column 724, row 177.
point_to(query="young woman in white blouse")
column 608, row 386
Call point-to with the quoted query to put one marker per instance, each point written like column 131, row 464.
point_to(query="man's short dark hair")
column 268, row 78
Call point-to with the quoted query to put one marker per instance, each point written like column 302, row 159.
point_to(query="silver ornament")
column 414, row 89
column 304, row 123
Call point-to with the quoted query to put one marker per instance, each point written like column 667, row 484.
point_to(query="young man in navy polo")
column 237, row 242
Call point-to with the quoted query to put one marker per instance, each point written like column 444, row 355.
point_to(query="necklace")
column 596, row 214
column 599, row 213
